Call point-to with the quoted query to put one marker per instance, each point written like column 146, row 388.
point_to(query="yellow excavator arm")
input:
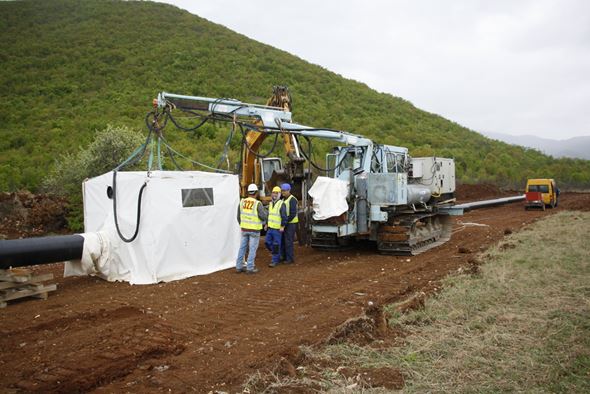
column 251, row 171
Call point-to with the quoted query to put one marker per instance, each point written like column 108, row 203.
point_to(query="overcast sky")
column 506, row 66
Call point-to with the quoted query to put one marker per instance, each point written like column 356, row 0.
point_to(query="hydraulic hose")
column 245, row 143
column 134, row 158
column 139, row 198
column 308, row 158
column 178, row 125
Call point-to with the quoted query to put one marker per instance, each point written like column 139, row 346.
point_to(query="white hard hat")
column 252, row 188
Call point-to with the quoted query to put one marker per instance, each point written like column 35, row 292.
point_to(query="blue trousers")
column 287, row 252
column 249, row 241
column 273, row 243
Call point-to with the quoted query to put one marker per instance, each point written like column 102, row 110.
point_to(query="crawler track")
column 413, row 234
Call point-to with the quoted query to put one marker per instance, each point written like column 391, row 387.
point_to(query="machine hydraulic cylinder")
column 361, row 207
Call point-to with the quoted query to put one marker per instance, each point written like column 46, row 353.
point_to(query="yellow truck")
column 541, row 193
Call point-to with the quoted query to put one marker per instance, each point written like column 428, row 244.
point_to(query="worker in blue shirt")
column 290, row 202
column 277, row 220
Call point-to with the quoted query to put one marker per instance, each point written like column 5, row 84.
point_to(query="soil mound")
column 362, row 330
column 581, row 202
column 24, row 214
column 466, row 192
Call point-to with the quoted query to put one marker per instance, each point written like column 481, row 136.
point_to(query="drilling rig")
column 365, row 191
column 388, row 196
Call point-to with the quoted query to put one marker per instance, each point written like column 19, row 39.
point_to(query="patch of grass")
column 521, row 325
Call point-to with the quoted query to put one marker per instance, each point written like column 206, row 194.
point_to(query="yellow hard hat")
column 276, row 189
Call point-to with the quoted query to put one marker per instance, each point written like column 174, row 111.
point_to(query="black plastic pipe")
column 43, row 250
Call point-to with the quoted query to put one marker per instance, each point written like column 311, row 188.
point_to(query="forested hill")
column 72, row 67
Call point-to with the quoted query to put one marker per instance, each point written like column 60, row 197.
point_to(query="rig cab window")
column 395, row 162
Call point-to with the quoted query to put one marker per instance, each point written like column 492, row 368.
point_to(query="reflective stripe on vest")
column 249, row 219
column 274, row 214
column 288, row 202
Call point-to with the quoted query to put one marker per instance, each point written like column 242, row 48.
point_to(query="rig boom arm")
column 263, row 120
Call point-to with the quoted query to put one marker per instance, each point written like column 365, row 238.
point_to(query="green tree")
column 111, row 146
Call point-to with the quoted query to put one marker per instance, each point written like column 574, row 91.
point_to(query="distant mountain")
column 577, row 147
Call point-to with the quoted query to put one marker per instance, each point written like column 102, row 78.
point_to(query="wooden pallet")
column 18, row 283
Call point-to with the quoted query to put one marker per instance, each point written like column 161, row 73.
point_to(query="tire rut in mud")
column 87, row 350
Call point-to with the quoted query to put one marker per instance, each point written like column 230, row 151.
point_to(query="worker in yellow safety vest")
column 252, row 217
column 287, row 249
column 277, row 220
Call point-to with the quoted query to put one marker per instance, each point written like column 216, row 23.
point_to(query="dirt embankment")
column 24, row 214
column 468, row 193
column 573, row 201
column 211, row 332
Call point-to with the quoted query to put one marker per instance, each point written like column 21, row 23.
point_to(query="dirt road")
column 208, row 333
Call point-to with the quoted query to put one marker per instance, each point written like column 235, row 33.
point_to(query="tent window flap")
column 199, row 197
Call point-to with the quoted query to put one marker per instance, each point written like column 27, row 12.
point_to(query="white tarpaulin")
column 329, row 197
column 188, row 226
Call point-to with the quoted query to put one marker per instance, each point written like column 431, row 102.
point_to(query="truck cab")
column 541, row 193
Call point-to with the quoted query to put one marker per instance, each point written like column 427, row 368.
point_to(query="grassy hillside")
column 72, row 67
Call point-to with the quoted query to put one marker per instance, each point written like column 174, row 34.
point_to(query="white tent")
column 188, row 226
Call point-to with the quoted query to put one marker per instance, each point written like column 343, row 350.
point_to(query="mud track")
column 209, row 332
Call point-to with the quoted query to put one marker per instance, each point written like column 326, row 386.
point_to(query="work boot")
column 252, row 271
column 240, row 270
